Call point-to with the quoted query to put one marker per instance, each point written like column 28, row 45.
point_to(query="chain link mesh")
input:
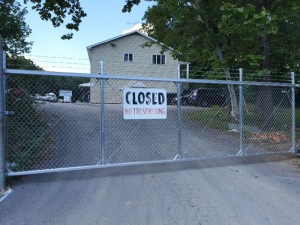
column 48, row 129
column 138, row 140
column 268, row 119
column 206, row 121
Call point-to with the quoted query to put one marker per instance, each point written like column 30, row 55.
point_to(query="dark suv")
column 184, row 97
column 206, row 97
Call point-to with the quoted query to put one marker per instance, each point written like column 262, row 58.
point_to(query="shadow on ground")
column 155, row 168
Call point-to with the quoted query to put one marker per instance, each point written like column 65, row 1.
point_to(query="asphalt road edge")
column 5, row 194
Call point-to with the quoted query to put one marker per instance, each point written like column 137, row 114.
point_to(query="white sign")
column 144, row 103
column 64, row 93
column 67, row 99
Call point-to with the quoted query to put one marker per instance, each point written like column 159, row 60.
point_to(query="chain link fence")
column 46, row 130
column 56, row 123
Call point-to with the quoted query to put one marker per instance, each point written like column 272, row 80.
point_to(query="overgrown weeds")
column 29, row 138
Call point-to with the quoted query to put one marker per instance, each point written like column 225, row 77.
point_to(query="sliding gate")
column 63, row 121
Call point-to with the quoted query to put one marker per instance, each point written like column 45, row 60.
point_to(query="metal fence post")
column 102, row 123
column 102, row 116
column 293, row 149
column 179, row 121
column 241, row 107
column 2, row 144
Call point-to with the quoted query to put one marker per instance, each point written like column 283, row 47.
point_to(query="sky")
column 104, row 20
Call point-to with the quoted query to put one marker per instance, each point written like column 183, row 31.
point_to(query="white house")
column 131, row 54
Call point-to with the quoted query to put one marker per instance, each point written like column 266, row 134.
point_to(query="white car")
column 50, row 97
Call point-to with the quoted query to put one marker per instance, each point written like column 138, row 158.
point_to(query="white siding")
column 114, row 64
column 114, row 89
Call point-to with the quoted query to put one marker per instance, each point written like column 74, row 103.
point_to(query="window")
column 128, row 57
column 159, row 59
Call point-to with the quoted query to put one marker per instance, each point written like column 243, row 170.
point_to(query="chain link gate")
column 46, row 134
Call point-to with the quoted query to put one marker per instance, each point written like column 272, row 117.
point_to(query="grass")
column 254, row 122
column 219, row 118
column 215, row 117
column 298, row 117
column 298, row 124
column 298, row 133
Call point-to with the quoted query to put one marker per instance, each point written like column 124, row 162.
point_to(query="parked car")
column 207, row 97
column 184, row 97
column 50, row 97
column 170, row 96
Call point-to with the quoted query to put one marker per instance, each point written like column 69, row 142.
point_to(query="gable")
column 116, row 52
column 150, row 39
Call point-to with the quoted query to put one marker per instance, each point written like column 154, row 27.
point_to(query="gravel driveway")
column 227, row 191
column 78, row 137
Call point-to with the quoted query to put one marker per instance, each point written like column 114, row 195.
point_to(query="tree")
column 58, row 11
column 39, row 84
column 20, row 62
column 207, row 33
column 28, row 84
column 228, row 35
column 129, row 4
column 13, row 28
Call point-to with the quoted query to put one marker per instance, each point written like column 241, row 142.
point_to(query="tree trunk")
column 233, row 98
column 265, row 97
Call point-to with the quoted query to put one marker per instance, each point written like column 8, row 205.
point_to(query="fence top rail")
column 118, row 77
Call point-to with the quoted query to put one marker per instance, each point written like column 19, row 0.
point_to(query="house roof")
column 125, row 35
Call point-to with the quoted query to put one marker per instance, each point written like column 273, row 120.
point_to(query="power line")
column 56, row 57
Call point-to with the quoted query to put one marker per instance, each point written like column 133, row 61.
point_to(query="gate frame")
column 102, row 77
column 2, row 119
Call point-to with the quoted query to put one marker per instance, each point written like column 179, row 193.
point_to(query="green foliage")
column 129, row 4
column 46, row 84
column 20, row 62
column 29, row 136
column 30, row 139
column 28, row 83
column 298, row 123
column 231, row 34
column 58, row 11
column 13, row 28
column 39, row 84
column 298, row 117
